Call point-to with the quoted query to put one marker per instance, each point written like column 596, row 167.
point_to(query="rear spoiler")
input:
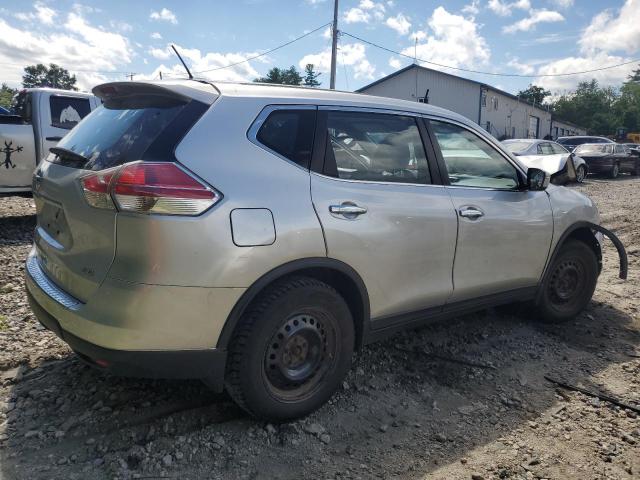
column 150, row 94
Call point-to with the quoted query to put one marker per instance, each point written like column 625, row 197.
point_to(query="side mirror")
column 537, row 179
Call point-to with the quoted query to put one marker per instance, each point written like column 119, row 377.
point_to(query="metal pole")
column 334, row 46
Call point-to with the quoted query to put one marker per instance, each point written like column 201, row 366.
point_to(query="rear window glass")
column 290, row 134
column 515, row 147
column 66, row 112
column 110, row 137
column 594, row 148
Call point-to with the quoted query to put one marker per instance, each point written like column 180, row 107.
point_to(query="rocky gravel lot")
column 462, row 400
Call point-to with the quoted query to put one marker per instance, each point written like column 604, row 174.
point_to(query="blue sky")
column 102, row 41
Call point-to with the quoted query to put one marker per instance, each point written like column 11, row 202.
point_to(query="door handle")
column 471, row 212
column 53, row 139
column 347, row 209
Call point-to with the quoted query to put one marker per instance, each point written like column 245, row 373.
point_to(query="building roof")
column 475, row 82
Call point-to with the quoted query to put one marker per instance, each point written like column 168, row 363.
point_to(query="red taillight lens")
column 96, row 188
column 163, row 188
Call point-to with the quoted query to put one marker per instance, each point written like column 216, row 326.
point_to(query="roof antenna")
column 183, row 64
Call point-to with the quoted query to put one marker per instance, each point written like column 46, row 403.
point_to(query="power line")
column 483, row 72
column 267, row 52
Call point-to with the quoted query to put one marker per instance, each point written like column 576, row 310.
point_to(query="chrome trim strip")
column 48, row 287
column 252, row 133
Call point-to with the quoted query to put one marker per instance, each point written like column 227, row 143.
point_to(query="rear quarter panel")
column 199, row 251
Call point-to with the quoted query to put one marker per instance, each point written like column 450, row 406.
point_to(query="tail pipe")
column 622, row 253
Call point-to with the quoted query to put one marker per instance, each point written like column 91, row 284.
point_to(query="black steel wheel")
column 569, row 283
column 291, row 350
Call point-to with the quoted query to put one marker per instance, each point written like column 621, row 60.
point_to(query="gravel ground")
column 410, row 408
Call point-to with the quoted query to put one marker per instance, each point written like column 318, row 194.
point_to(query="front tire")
column 291, row 351
column 581, row 174
column 569, row 284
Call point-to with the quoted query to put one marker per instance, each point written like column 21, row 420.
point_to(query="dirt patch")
column 461, row 400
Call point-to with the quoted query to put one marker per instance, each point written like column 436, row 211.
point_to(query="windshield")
column 110, row 137
column 517, row 147
column 594, row 148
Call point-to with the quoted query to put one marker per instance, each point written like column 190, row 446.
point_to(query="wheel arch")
column 331, row 271
column 583, row 231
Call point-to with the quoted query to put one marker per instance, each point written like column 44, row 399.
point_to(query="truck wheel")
column 291, row 350
column 569, row 284
column 615, row 171
column 581, row 174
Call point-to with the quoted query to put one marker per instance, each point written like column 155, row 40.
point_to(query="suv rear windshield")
column 108, row 137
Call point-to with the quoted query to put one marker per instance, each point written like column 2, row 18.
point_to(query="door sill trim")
column 383, row 327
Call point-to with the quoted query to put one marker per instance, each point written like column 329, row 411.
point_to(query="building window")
column 483, row 97
column 513, row 132
column 494, row 103
column 488, row 127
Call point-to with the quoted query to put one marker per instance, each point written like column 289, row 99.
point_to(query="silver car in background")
column 255, row 236
column 553, row 158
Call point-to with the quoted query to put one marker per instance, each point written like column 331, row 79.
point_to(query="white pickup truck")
column 39, row 118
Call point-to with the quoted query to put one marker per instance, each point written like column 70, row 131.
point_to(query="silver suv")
column 256, row 236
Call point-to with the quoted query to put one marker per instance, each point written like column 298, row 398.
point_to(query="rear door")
column 504, row 231
column 380, row 210
column 75, row 242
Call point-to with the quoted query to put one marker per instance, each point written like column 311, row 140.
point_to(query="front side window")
column 290, row 134
column 375, row 147
column 66, row 112
column 472, row 162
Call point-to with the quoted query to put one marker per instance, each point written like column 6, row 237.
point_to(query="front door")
column 380, row 212
column 504, row 231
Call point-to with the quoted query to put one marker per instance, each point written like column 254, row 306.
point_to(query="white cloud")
column 535, row 17
column 472, row 8
column 80, row 47
column 611, row 32
column 504, row 9
column 522, row 68
column 613, row 76
column 160, row 53
column 156, row 36
column 395, row 63
column 42, row 14
column 399, row 23
column 352, row 54
column 561, row 3
column 365, row 12
column 164, row 15
column 454, row 41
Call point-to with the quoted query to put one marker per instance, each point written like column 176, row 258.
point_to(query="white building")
column 502, row 114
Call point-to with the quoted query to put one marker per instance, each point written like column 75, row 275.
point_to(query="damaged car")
column 562, row 165
column 255, row 236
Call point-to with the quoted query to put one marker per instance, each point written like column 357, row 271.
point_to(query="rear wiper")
column 69, row 154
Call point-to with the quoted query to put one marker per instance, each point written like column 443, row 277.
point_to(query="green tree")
column 591, row 106
column 282, row 76
column 534, row 94
column 311, row 77
column 635, row 76
column 52, row 76
column 6, row 95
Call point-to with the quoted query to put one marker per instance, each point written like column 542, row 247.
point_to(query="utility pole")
column 131, row 76
column 334, row 46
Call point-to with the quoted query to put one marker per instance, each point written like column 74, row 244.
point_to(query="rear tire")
column 615, row 171
column 581, row 174
column 569, row 284
column 291, row 350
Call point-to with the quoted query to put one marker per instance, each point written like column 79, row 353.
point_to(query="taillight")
column 96, row 188
column 153, row 187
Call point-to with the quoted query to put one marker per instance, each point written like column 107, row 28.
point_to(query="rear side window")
column 290, row 133
column 375, row 147
column 66, row 112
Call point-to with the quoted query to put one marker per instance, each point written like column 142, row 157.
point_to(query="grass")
column 3, row 323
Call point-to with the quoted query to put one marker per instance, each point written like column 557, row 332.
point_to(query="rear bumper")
column 136, row 329
column 209, row 364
